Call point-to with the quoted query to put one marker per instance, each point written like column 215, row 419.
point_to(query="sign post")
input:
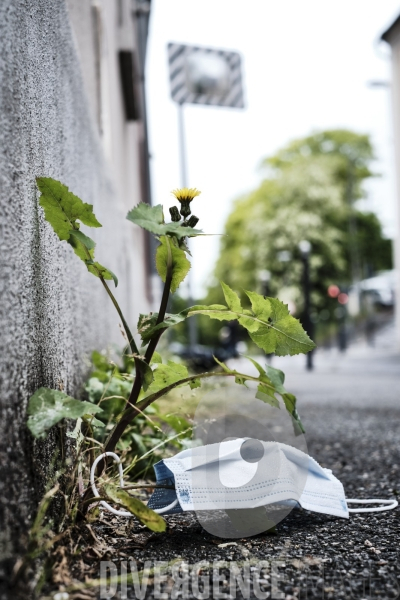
column 206, row 76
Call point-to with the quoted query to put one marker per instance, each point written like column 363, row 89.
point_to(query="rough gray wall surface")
column 52, row 311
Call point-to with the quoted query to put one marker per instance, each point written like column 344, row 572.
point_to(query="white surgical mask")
column 218, row 477
column 254, row 483
column 283, row 476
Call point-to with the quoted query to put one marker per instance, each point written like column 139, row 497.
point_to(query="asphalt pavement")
column 350, row 407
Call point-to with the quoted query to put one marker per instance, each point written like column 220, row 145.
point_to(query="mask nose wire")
column 389, row 505
column 121, row 513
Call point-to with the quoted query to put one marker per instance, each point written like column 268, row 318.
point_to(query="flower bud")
column 192, row 222
column 185, row 209
column 174, row 212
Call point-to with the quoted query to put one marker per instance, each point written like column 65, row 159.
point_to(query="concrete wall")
column 61, row 115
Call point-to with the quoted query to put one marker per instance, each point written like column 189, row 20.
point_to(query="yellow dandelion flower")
column 185, row 194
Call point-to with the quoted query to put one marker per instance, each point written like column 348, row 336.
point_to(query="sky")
column 306, row 67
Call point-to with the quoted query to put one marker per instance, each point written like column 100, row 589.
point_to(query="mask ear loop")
column 121, row 513
column 390, row 505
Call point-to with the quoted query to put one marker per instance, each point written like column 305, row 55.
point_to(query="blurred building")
column 392, row 37
column 72, row 108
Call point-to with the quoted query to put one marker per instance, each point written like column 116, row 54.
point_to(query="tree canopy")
column 310, row 192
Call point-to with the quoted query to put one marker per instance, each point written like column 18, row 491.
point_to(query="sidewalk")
column 363, row 376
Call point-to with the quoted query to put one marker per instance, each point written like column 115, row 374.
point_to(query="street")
column 361, row 377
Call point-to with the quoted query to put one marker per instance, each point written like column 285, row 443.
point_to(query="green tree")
column 310, row 192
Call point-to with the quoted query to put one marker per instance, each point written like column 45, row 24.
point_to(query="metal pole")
column 192, row 322
column 308, row 326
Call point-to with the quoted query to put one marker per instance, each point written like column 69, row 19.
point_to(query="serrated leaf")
column 62, row 208
column 147, row 327
column 231, row 298
column 144, row 514
column 47, row 407
column 221, row 314
column 283, row 334
column 179, row 263
column 265, row 394
column 279, row 332
column 261, row 306
column 164, row 375
column 152, row 218
column 234, row 304
column 145, row 323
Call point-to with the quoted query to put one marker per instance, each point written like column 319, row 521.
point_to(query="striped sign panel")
column 205, row 76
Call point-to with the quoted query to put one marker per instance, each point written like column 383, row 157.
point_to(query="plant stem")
column 131, row 412
column 137, row 385
column 129, row 335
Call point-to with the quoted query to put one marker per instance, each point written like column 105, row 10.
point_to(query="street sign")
column 205, row 76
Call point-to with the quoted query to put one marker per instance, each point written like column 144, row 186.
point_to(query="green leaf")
column 283, row 334
column 277, row 378
column 147, row 327
column 270, row 325
column 214, row 311
column 93, row 421
column 223, row 366
column 157, row 359
column 146, row 323
column 233, row 302
column 62, row 208
column 261, row 306
column 146, row 371
column 265, row 394
column 164, row 375
column 152, row 218
column 179, row 263
column 97, row 269
column 47, row 407
column 231, row 298
column 195, row 383
column 290, row 404
column 144, row 514
column 257, row 365
column 83, row 239
column 176, row 422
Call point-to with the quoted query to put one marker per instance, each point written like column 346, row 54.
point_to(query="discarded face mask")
column 250, row 474
column 246, row 486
